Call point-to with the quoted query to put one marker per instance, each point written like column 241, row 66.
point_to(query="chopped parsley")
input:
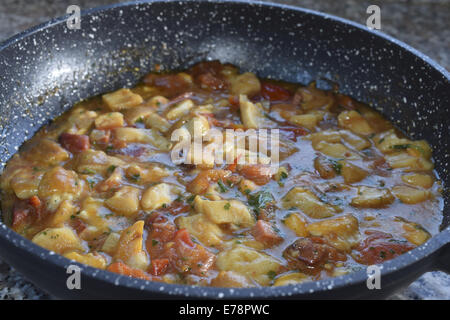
column 88, row 171
column 222, row 187
column 227, row 206
column 337, row 167
column 111, row 168
column 401, row 146
column 271, row 274
column 135, row 177
column 407, row 146
column 91, row 183
column 260, row 199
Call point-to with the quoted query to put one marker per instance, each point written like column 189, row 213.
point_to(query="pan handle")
column 443, row 261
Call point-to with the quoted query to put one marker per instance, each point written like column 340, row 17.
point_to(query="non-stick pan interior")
column 45, row 73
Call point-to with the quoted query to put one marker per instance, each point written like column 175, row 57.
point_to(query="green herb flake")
column 337, row 167
column 260, row 199
column 407, row 146
column 271, row 274
column 136, row 177
column 111, row 168
column 222, row 187
column 91, row 183
column 227, row 206
column 88, row 171
column 401, row 146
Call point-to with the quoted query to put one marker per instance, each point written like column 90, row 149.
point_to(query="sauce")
column 99, row 185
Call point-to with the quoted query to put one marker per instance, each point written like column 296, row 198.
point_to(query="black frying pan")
column 45, row 70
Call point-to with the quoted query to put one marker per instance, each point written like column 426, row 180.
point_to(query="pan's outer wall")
column 45, row 72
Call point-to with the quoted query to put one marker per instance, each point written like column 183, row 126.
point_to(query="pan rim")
column 354, row 278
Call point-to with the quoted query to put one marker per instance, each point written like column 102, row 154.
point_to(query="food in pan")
column 99, row 184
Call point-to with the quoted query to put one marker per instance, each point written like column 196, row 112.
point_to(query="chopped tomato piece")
column 310, row 254
column 258, row 173
column 78, row 225
column 273, row 92
column 160, row 235
column 208, row 75
column 379, row 247
column 234, row 102
column 171, row 84
column 293, row 133
column 155, row 217
column 19, row 218
column 159, row 266
column 184, row 236
column 26, row 212
column 188, row 256
column 35, row 201
column 75, row 143
column 210, row 81
column 176, row 208
column 265, row 233
column 122, row 268
column 162, row 231
column 201, row 182
column 232, row 167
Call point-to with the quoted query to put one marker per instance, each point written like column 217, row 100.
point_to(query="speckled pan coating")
column 45, row 70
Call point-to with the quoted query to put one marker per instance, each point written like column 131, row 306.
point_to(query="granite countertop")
column 423, row 24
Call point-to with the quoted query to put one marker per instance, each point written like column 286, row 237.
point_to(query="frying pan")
column 45, row 70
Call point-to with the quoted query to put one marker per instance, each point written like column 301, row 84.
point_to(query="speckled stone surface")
column 422, row 24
